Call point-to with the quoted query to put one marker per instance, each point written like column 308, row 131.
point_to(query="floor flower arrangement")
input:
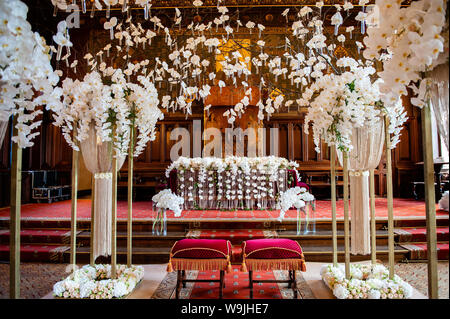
column 95, row 282
column 366, row 281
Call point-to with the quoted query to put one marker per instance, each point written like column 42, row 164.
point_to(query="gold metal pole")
column 73, row 214
column 333, row 202
column 15, row 203
column 114, row 214
column 430, row 201
column 346, row 217
column 130, row 200
column 390, row 199
column 92, row 259
column 373, row 230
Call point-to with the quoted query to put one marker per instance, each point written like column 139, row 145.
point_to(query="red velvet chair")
column 272, row 254
column 202, row 255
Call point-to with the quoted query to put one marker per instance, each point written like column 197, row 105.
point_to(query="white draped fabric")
column 366, row 154
column 97, row 158
column 3, row 127
column 440, row 99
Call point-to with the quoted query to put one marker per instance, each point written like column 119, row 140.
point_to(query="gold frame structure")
column 429, row 199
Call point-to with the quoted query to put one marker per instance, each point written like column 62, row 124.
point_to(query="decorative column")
column 92, row 257
column 114, row 211
column 333, row 202
column 346, row 218
column 373, row 230
column 15, row 203
column 73, row 213
column 430, row 206
column 130, row 200
column 390, row 199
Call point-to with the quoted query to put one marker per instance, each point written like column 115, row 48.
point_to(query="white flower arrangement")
column 293, row 197
column 265, row 164
column 186, row 61
column 106, row 99
column 25, row 82
column 168, row 200
column 339, row 103
column 414, row 41
column 233, row 182
column 94, row 282
column 366, row 281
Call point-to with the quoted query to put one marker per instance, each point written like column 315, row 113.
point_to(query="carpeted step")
column 36, row 252
column 235, row 236
column 39, row 236
column 418, row 251
column 419, row 234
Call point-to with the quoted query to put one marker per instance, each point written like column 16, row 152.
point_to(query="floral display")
column 346, row 101
column 94, row 282
column 409, row 41
column 233, row 182
column 108, row 101
column 190, row 73
column 293, row 197
column 168, row 200
column 25, row 83
column 366, row 281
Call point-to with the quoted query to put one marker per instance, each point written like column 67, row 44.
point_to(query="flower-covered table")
column 232, row 182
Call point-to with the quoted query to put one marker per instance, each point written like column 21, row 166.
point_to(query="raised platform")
column 45, row 230
column 403, row 209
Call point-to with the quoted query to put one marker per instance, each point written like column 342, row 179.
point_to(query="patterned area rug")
column 416, row 274
column 236, row 286
column 36, row 279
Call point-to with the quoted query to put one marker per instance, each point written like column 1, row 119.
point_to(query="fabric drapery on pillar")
column 366, row 154
column 97, row 158
column 440, row 99
column 3, row 127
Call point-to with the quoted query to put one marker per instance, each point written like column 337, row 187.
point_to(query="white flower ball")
column 374, row 294
column 340, row 292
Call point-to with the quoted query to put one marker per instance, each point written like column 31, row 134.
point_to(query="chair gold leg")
column 222, row 279
column 250, row 280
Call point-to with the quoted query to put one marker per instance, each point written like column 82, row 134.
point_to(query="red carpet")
column 236, row 286
column 419, row 234
column 143, row 211
column 35, row 252
column 39, row 236
column 418, row 251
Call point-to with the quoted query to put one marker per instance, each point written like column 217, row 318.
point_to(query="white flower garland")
column 366, row 281
column 238, row 178
column 265, row 164
column 94, row 282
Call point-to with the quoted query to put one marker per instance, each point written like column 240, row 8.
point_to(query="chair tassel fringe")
column 169, row 265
